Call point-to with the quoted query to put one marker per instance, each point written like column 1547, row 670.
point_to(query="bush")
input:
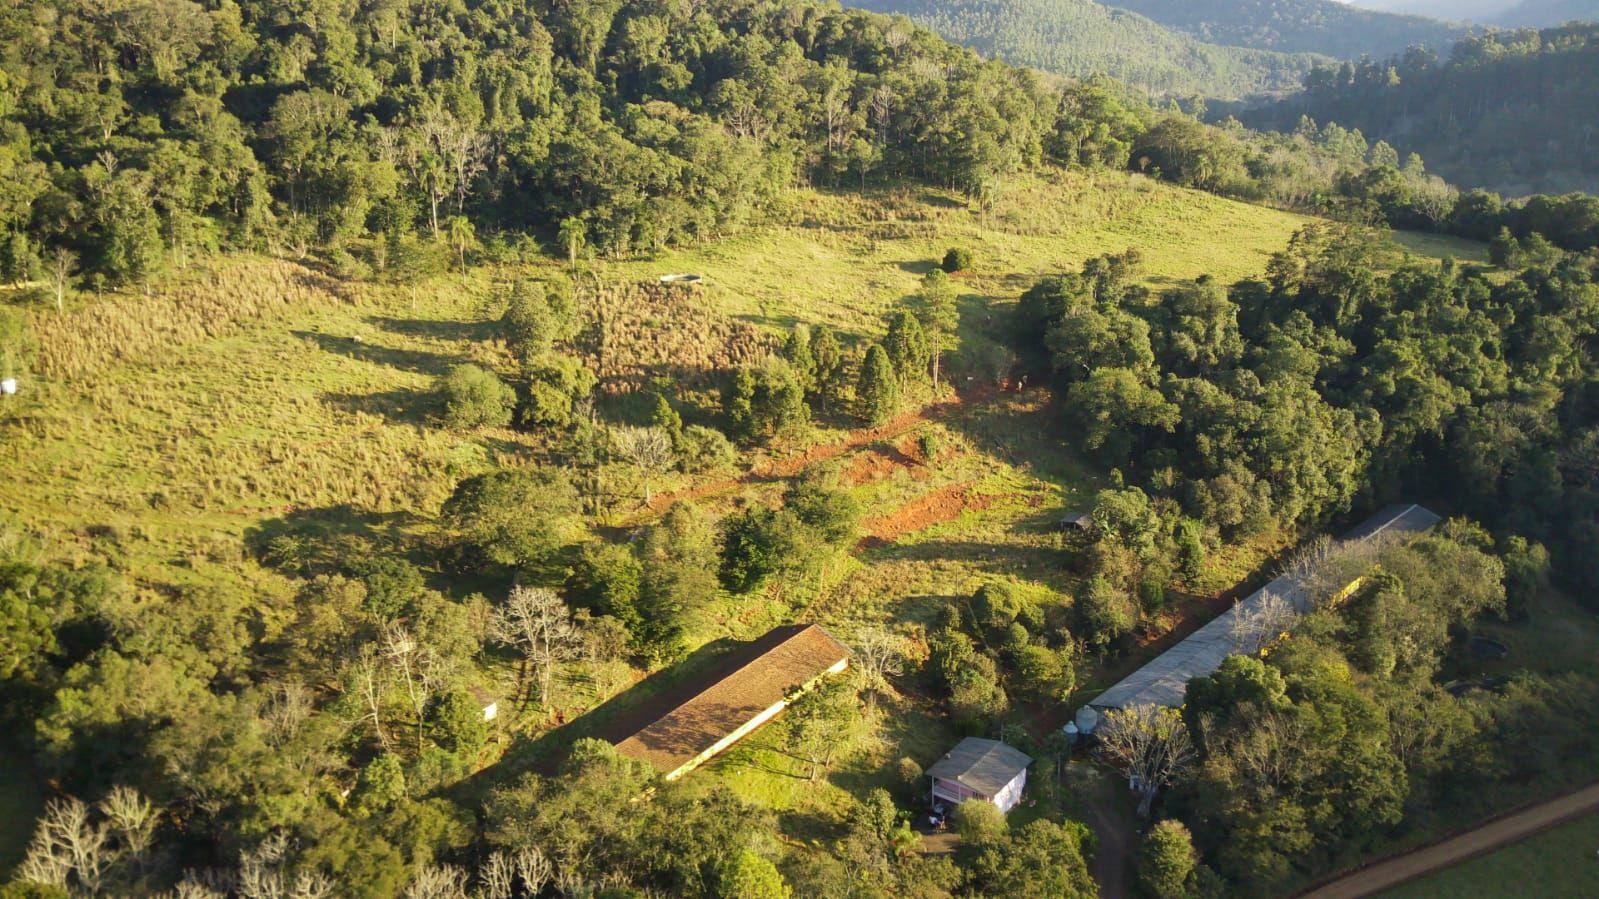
column 1107, row 611
column 910, row 774
column 475, row 398
column 980, row 821
column 456, row 723
column 706, row 449
column 1166, row 861
column 957, row 260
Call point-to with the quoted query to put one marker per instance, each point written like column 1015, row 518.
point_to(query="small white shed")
column 485, row 699
column 980, row 769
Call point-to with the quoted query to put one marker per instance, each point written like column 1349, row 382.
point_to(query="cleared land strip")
column 1499, row 832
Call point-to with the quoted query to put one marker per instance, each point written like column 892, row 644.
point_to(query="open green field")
column 1562, row 863
column 173, row 463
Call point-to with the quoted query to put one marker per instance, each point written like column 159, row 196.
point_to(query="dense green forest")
column 241, row 125
column 1322, row 387
column 1469, row 115
column 295, row 704
column 1326, row 27
column 1080, row 38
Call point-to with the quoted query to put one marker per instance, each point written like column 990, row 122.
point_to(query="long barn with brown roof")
column 726, row 703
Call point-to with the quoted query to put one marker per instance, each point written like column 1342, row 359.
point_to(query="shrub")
column 456, row 723
column 1166, row 861
column 910, row 774
column 749, row 876
column 980, row 821
column 1106, row 610
column 958, row 259
column 706, row 449
column 475, row 398
column 555, row 385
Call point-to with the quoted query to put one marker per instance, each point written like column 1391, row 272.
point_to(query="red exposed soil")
column 791, row 466
column 878, row 464
column 936, row 507
column 894, row 428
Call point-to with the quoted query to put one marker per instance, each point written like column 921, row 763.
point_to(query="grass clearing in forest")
column 174, row 463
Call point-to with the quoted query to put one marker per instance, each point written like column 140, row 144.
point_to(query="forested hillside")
column 271, row 123
column 1510, row 110
column 1327, row 27
column 1080, row 38
column 399, row 398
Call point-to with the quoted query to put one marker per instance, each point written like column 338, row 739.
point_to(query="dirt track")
column 1479, row 841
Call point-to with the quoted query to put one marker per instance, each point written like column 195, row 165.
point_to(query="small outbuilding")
column 486, row 702
column 980, row 769
column 750, row 686
column 1077, row 521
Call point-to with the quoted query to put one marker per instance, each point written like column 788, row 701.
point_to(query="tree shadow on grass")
column 309, row 542
column 401, row 406
column 615, row 719
column 419, row 361
column 476, row 331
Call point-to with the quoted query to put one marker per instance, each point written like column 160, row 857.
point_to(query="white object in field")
column 8, row 386
column 682, row 278
column 490, row 711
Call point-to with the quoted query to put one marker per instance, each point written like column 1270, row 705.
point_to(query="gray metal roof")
column 982, row 765
column 1164, row 681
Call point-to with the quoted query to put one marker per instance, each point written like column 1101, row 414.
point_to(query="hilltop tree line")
column 139, row 133
column 1325, row 27
column 1512, row 109
column 403, row 137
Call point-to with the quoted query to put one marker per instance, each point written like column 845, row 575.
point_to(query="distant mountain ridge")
column 1510, row 110
column 1298, row 26
column 1504, row 13
column 1546, row 13
column 1078, row 38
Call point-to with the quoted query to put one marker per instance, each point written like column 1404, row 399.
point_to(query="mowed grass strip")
column 1561, row 863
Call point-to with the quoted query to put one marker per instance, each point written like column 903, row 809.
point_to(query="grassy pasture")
column 170, row 463
column 1556, row 864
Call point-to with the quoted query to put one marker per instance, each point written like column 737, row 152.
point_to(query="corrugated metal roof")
column 982, row 765
column 733, row 694
column 1164, row 681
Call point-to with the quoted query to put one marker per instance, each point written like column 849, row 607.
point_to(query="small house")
column 980, row 769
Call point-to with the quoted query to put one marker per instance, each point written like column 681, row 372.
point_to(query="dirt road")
column 1499, row 832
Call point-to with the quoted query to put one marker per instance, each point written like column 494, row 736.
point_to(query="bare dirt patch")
column 936, row 507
